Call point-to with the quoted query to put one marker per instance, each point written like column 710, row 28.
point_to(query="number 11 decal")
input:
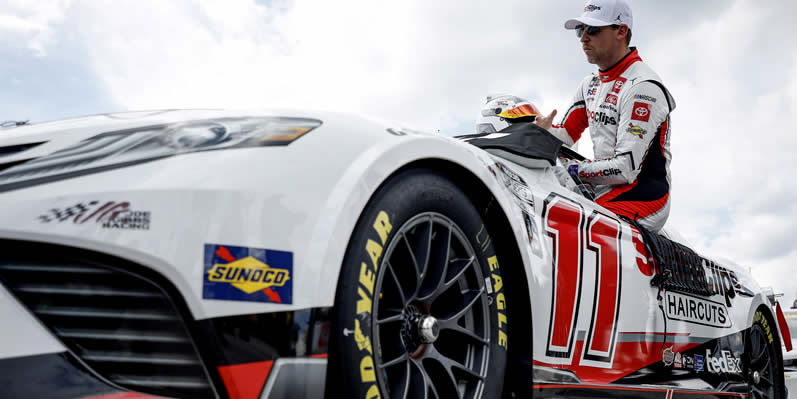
column 563, row 220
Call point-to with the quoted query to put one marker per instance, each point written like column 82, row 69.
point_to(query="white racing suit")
column 627, row 110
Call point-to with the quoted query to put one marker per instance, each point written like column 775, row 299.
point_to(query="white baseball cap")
column 603, row 13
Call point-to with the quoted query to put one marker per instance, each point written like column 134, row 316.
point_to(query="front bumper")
column 126, row 327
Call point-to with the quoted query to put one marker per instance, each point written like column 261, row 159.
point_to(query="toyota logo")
column 641, row 111
column 618, row 84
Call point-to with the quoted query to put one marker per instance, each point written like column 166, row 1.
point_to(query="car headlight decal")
column 131, row 146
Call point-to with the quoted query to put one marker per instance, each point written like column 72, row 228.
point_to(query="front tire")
column 420, row 310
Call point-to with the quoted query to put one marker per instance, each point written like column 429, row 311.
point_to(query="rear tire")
column 764, row 360
column 420, row 310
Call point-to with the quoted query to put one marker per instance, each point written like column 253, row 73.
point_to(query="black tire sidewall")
column 769, row 329
column 351, row 371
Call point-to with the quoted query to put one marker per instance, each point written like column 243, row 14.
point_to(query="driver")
column 627, row 109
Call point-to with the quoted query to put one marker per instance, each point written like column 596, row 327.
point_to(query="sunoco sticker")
column 247, row 274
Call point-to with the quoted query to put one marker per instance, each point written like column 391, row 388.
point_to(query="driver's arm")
column 643, row 113
column 574, row 121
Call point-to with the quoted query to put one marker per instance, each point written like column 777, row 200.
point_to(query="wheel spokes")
column 431, row 270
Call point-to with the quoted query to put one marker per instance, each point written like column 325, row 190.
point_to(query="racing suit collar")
column 615, row 70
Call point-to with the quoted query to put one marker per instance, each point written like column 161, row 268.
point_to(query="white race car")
column 216, row 254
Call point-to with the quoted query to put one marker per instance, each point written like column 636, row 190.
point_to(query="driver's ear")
column 622, row 32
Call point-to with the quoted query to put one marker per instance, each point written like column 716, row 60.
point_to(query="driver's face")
column 597, row 47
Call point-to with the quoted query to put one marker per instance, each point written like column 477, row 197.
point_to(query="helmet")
column 502, row 110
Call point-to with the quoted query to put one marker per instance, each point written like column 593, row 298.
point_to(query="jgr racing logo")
column 720, row 281
column 591, row 8
column 602, row 117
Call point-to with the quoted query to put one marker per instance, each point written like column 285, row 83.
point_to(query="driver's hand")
column 545, row 122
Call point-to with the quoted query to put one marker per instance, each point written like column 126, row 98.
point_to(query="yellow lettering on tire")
column 501, row 320
column 373, row 393
column 502, row 339
column 498, row 283
column 364, row 303
column 493, row 261
column 367, row 373
column 367, row 278
column 500, row 301
column 375, row 250
column 382, row 226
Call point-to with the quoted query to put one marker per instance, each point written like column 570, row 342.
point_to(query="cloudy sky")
column 731, row 65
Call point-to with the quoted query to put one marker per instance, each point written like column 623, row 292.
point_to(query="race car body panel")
column 185, row 202
column 241, row 247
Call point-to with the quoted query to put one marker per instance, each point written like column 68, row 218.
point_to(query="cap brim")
column 582, row 20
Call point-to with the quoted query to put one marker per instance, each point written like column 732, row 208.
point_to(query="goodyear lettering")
column 500, row 301
column 382, row 226
column 365, row 290
column 249, row 275
column 367, row 278
column 759, row 317
column 367, row 373
column 364, row 303
column 362, row 341
column 375, row 250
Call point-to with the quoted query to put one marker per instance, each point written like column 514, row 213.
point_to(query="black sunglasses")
column 590, row 30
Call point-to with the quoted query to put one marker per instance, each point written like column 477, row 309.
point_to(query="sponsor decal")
column 608, row 106
column 600, row 173
column 644, row 97
column 591, row 8
column 696, row 310
column 108, row 214
column 592, row 91
column 720, row 281
column 636, row 131
column 678, row 363
column 611, row 99
column 667, row 356
column 618, row 85
column 698, row 362
column 602, row 117
column 689, row 362
column 640, row 111
column 723, row 362
column 247, row 274
column 595, row 82
column 573, row 170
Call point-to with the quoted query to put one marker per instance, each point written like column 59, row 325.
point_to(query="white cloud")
column 30, row 22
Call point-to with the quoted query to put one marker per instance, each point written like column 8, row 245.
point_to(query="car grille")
column 122, row 325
